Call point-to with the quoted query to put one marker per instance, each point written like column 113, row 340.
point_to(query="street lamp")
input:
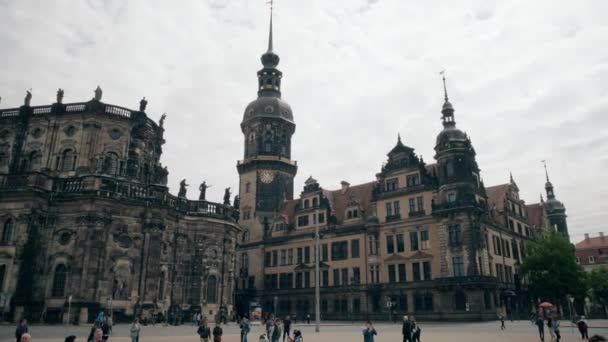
column 317, row 282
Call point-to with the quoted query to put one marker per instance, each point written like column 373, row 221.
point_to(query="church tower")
column 556, row 211
column 266, row 171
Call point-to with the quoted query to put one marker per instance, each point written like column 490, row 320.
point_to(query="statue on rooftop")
column 59, row 95
column 142, row 104
column 28, row 98
column 161, row 122
column 203, row 189
column 227, row 196
column 98, row 94
column 182, row 189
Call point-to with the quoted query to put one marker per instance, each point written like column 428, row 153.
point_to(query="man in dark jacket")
column 21, row 329
column 406, row 329
column 276, row 331
column 217, row 333
column 244, row 329
column 287, row 328
column 204, row 332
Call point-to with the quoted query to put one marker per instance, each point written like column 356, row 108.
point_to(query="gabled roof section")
column 535, row 214
column 496, row 196
column 340, row 199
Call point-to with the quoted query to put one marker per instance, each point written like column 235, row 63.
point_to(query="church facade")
column 88, row 223
column 429, row 240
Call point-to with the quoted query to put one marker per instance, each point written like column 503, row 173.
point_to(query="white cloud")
column 527, row 80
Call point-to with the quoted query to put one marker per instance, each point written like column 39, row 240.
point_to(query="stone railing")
column 80, row 107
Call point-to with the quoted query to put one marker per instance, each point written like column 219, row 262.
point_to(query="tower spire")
column 445, row 89
column 271, row 2
column 546, row 173
column 447, row 110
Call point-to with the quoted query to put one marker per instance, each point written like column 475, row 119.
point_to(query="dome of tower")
column 553, row 204
column 268, row 107
column 450, row 134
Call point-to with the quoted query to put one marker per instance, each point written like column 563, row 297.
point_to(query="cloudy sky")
column 528, row 80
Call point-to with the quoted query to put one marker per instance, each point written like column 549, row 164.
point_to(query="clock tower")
column 266, row 171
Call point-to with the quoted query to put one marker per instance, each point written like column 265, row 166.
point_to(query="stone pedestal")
column 83, row 317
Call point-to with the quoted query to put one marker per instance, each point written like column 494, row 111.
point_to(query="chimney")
column 586, row 236
column 602, row 235
column 345, row 186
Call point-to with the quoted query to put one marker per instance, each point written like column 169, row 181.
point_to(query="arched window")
column 7, row 232
column 59, row 281
column 460, row 300
column 67, row 160
column 245, row 237
column 244, row 261
column 110, row 164
column 315, row 202
column 306, row 204
column 212, row 289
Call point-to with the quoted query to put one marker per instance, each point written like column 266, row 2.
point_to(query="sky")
column 527, row 80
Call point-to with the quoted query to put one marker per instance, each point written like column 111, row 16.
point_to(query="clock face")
column 266, row 176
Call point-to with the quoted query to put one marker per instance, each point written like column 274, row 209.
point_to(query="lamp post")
column 317, row 282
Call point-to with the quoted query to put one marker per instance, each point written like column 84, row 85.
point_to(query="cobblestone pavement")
column 518, row 331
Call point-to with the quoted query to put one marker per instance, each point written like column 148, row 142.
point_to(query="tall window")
column 67, row 160
column 290, row 256
column 307, row 255
column 389, row 209
column 455, row 235
column 424, row 239
column 300, row 256
column 161, row 287
column 392, row 184
column 212, row 289
column 373, row 245
column 391, row 274
column 345, row 276
column 336, row 277
column 59, row 281
column 402, row 274
column 111, row 164
column 416, row 271
column 324, row 252
column 458, row 266
column 339, row 250
column 412, row 205
column 267, row 259
column 375, row 273
column 7, row 232
column 414, row 240
column 413, row 180
column 426, row 268
column 244, row 261
column 245, row 237
column 34, row 161
column 390, row 244
column 325, row 278
column 449, row 169
column 396, row 208
column 2, row 273
column 460, row 300
column 354, row 248
column 400, row 243
column 356, row 275
column 283, row 260
column 420, row 203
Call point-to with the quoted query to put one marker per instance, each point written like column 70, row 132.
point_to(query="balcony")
column 418, row 213
column 393, row 218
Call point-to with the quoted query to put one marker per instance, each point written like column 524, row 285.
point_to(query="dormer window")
column 392, row 184
column 413, row 180
column 306, row 204
column 303, row 221
column 315, row 202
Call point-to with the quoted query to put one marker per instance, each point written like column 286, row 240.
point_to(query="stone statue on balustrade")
column 98, row 94
column 142, row 104
column 163, row 174
column 161, row 122
column 203, row 189
column 182, row 189
column 28, row 98
column 60, row 95
column 227, row 196
column 237, row 202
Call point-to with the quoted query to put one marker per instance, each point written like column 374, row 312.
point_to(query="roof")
column 287, row 210
column 593, row 242
column 340, row 199
column 431, row 168
column 535, row 214
column 496, row 195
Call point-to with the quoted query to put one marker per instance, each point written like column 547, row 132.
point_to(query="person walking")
column 244, row 329
column 502, row 322
column 97, row 335
column 406, row 329
column 21, row 329
column 217, row 333
column 558, row 336
column 276, row 333
column 204, row 332
column 26, row 338
column 286, row 328
column 583, row 328
column 369, row 332
column 134, row 330
column 415, row 331
column 269, row 325
column 541, row 327
column 550, row 327
column 297, row 336
column 105, row 328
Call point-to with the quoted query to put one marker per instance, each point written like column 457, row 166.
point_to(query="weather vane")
column 545, row 165
column 445, row 89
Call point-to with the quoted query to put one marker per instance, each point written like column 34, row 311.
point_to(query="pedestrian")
column 558, row 336
column 369, row 332
column 415, row 331
column 550, row 327
column 583, row 328
column 244, row 329
column 287, row 328
column 297, row 336
column 295, row 318
column 204, row 332
column 597, row 338
column 276, row 333
column 134, row 330
column 217, row 333
column 96, row 334
column 26, row 338
column 21, row 329
column 541, row 327
column 100, row 318
column 502, row 322
column 269, row 325
column 307, row 318
column 70, row 338
column 406, row 329
column 110, row 323
column 105, row 329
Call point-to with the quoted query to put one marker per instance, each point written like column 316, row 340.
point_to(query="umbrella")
column 545, row 305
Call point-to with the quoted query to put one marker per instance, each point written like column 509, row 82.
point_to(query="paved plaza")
column 518, row 331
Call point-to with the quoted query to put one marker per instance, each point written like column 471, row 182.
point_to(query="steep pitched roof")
column 340, row 199
column 496, row 195
column 535, row 214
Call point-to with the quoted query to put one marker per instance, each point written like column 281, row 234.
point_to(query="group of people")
column 279, row 330
column 205, row 332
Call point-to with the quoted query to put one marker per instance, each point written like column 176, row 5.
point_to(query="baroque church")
column 88, row 224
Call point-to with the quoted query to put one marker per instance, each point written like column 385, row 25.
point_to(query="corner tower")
column 266, row 171
column 556, row 211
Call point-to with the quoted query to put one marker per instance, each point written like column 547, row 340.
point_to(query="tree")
column 597, row 280
column 551, row 269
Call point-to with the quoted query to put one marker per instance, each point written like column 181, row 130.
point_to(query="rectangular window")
column 392, row 184
column 275, row 258
column 356, row 275
column 416, row 271
column 303, row 221
column 420, row 203
column 519, row 230
column 339, row 250
column 515, row 250
column 345, row 279
column 511, row 225
column 374, row 273
column 390, row 245
column 389, row 209
column 325, row 278
column 458, row 266
column 452, row 197
column 413, row 180
column 299, row 256
column 592, row 259
column 505, row 248
column 306, row 279
column 321, row 218
column 267, row 259
column 396, row 208
column 414, row 241
column 391, row 274
column 290, row 256
column 426, row 269
column 306, row 255
column 354, row 248
column 400, row 243
column 336, row 277
column 402, row 274
column 424, row 239
column 373, row 245
column 412, row 204
column 324, row 252
column 283, row 257
column 455, row 235
column 356, row 305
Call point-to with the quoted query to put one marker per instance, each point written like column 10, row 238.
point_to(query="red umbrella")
column 545, row 305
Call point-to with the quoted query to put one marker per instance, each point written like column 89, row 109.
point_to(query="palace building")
column 88, row 223
column 429, row 240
